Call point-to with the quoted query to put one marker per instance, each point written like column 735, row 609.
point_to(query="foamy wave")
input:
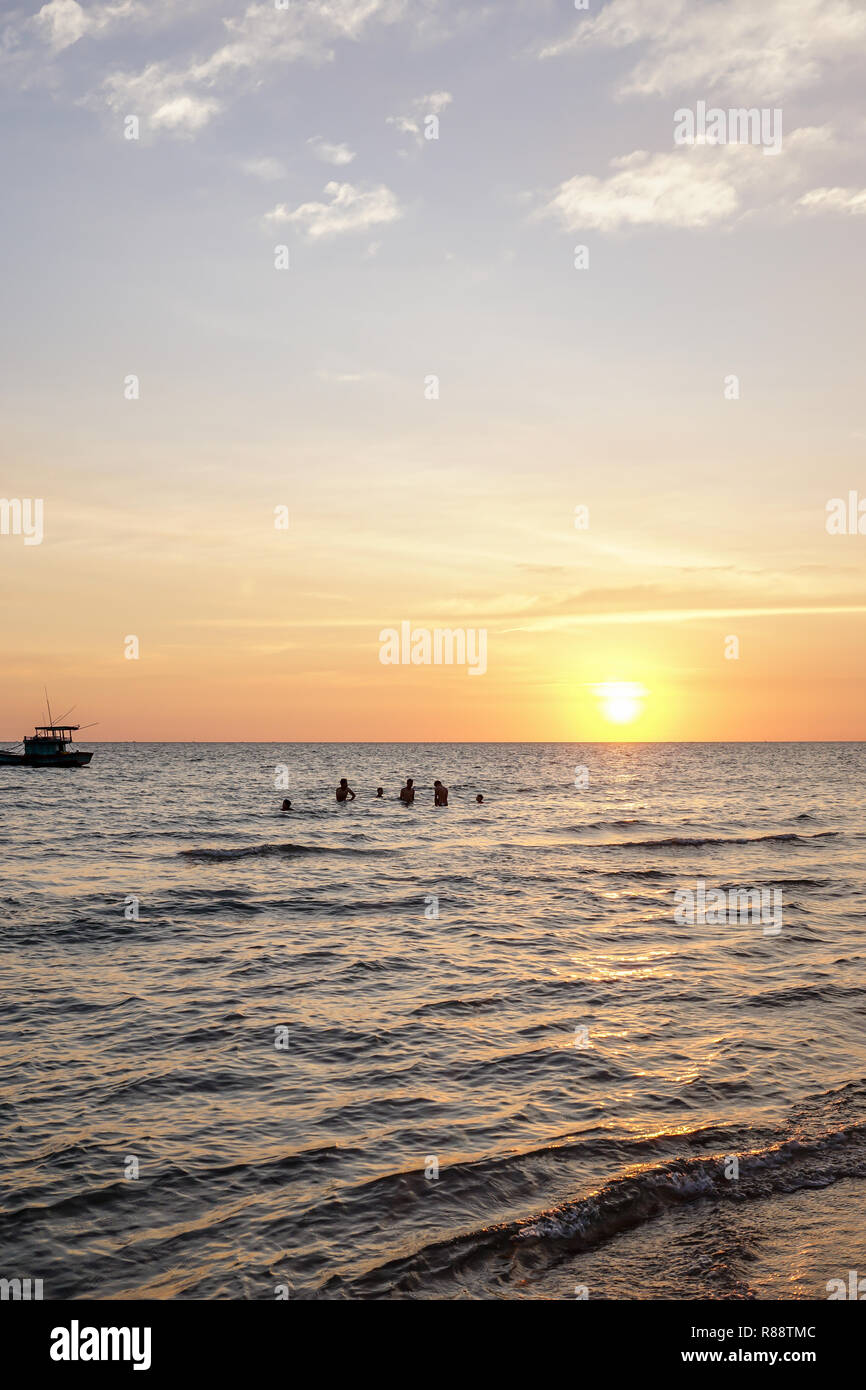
column 627, row 1201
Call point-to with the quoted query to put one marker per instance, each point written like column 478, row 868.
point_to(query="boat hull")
column 48, row 760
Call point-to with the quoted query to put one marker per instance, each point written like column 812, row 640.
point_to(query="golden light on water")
column 620, row 701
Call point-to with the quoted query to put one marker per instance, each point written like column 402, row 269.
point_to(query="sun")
column 620, row 701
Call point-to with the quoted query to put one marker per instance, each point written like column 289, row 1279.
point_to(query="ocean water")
column 370, row 1051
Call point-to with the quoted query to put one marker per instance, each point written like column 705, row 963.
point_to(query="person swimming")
column 407, row 793
column 344, row 790
column 479, row 798
column 287, row 805
column 380, row 792
column 440, row 794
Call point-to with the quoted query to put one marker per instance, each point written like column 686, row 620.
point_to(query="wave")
column 611, row 824
column 825, row 993
column 628, row 874
column 630, row 1200
column 458, row 1005
column 285, row 851
column 694, row 842
column 822, row 1144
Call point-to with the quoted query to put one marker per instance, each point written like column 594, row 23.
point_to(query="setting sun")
column 620, row 701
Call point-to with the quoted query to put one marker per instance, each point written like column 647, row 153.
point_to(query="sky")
column 299, row 345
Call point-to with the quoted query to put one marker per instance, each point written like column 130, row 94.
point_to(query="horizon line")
column 467, row 743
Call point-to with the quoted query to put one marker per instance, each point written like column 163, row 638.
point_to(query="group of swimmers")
column 407, row 794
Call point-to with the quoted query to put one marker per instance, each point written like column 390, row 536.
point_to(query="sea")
column 553, row 1045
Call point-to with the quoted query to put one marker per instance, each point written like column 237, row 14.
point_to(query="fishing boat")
column 48, row 746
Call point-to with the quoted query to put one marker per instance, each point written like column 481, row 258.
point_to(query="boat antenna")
column 63, row 716
column 47, row 705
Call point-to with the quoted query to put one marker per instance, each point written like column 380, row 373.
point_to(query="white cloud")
column 62, row 23
column 265, row 168
column 768, row 49
column 182, row 93
column 419, row 110
column 350, row 209
column 851, row 200
column 183, row 113
column 331, row 154
column 694, row 186
column 154, row 96
column 663, row 190
column 261, row 38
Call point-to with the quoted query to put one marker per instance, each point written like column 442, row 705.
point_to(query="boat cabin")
column 50, row 738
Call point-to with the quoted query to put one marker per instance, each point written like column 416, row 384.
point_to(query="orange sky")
column 247, row 632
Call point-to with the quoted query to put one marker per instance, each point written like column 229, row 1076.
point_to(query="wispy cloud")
column 349, row 209
column 159, row 99
column 851, row 200
column 36, row 39
column 266, row 169
column 684, row 615
column 771, row 49
column 331, row 153
column 62, row 23
column 181, row 97
column 346, row 378
column 420, row 110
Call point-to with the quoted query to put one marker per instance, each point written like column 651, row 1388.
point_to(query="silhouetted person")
column 407, row 793
column 479, row 798
column 380, row 791
column 344, row 790
column 287, row 805
column 440, row 794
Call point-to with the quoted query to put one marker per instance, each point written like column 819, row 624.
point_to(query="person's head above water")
column 479, row 798
column 344, row 781
column 437, row 783
column 287, row 805
column 380, row 791
column 409, row 782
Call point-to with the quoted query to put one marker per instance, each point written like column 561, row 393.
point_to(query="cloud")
column 349, row 209
column 769, row 49
column 660, row 190
column 346, row 378
column 694, row 186
column 834, row 200
column 153, row 96
column 183, row 113
column 62, row 23
column 182, row 93
column 419, row 111
column 331, row 154
column 265, row 168
column 261, row 38
column 688, row 615
column 59, row 24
